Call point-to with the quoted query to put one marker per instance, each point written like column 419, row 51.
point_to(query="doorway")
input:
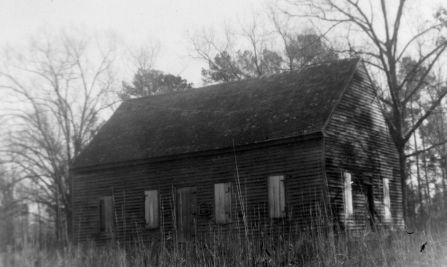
column 186, row 212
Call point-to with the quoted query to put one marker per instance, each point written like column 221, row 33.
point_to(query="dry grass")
column 372, row 249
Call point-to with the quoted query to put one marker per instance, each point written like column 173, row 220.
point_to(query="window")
column 349, row 210
column 105, row 214
column 386, row 199
column 222, row 202
column 276, row 196
column 151, row 209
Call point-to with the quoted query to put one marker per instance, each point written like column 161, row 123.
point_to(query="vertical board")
column 386, row 199
column 151, row 209
column 349, row 209
column 276, row 196
column 186, row 212
column 222, row 202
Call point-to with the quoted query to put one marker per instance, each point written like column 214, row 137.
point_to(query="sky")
column 168, row 22
column 138, row 22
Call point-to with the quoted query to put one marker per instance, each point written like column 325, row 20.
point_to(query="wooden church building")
column 293, row 150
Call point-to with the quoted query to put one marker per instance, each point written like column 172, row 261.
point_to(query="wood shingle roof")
column 249, row 111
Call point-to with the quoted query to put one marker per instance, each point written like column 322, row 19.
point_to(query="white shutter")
column 276, row 196
column 151, row 208
column 222, row 202
column 349, row 209
column 386, row 199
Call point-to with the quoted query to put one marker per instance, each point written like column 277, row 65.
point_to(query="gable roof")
column 249, row 111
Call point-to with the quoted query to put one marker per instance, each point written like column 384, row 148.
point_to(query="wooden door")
column 186, row 212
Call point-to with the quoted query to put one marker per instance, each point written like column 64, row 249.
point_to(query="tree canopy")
column 294, row 51
column 147, row 82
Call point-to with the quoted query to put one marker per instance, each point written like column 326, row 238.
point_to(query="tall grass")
column 306, row 249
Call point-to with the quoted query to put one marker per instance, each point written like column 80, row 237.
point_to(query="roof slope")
column 248, row 111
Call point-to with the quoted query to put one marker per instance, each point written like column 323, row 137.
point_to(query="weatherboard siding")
column 299, row 161
column 358, row 141
column 316, row 130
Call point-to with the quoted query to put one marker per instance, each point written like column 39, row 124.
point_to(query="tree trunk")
column 444, row 187
column 68, row 218
column 418, row 175
column 57, row 219
column 427, row 182
column 403, row 178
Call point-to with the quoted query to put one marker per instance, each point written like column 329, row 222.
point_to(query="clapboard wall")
column 358, row 141
column 299, row 159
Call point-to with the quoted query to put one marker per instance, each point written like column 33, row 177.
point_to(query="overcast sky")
column 137, row 21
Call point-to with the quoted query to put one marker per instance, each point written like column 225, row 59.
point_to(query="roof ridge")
column 286, row 72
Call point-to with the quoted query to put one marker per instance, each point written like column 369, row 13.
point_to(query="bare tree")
column 59, row 89
column 259, row 49
column 143, row 56
column 380, row 24
column 147, row 80
column 300, row 48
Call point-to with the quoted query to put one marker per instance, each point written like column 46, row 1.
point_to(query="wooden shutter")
column 106, row 214
column 276, row 196
column 349, row 209
column 151, row 208
column 386, row 199
column 222, row 202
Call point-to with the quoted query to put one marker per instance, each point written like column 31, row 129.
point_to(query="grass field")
column 366, row 249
